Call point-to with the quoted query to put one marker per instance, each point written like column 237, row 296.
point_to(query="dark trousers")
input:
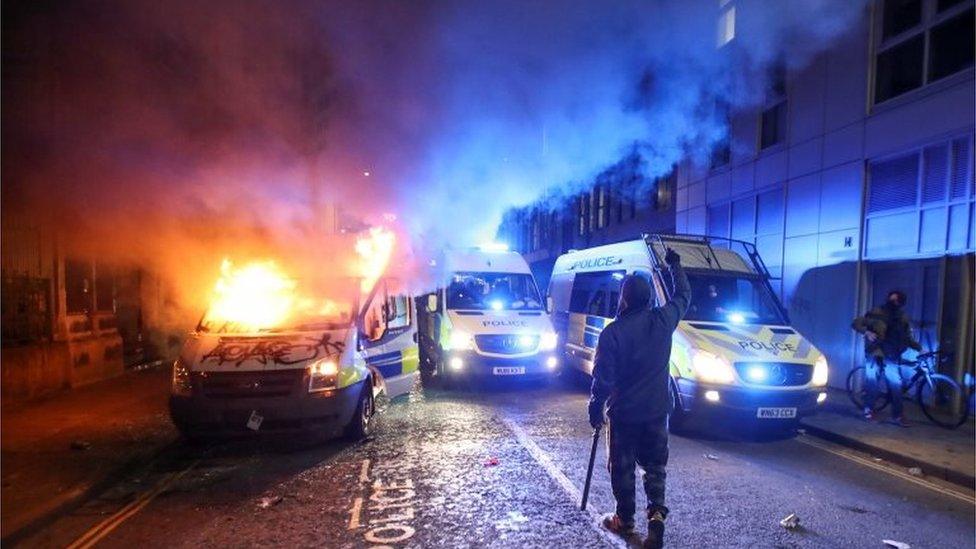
column 878, row 371
column 632, row 444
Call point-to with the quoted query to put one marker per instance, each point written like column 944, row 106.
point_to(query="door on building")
column 921, row 280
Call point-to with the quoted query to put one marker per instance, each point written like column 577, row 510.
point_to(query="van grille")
column 274, row 383
column 776, row 374
column 507, row 344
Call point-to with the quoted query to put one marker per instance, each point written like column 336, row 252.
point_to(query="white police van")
column 317, row 374
column 733, row 353
column 487, row 319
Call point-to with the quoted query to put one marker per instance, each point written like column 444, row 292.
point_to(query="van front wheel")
column 359, row 425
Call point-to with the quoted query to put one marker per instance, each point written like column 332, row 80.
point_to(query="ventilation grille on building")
column 894, row 183
column 961, row 163
column 934, row 184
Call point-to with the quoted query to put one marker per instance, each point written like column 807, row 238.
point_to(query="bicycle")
column 942, row 400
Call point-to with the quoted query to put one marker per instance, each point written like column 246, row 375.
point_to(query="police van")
column 487, row 319
column 733, row 353
column 319, row 373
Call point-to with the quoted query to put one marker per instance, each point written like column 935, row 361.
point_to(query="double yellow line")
column 104, row 528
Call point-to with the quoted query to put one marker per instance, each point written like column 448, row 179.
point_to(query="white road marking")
column 544, row 461
column 364, row 472
column 104, row 528
column 891, row 471
column 357, row 509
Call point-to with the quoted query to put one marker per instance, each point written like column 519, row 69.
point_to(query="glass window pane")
column 899, row 69
column 773, row 126
column 961, row 164
column 959, row 226
column 899, row 16
column 952, row 45
column 933, row 238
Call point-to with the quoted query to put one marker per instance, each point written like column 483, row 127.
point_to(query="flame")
column 254, row 297
column 375, row 249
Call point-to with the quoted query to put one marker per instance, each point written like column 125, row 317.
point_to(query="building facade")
column 856, row 177
column 853, row 177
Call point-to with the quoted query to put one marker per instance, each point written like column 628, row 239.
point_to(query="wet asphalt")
column 502, row 466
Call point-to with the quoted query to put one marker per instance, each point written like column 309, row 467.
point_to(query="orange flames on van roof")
column 261, row 295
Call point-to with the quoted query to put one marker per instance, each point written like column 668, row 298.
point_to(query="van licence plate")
column 508, row 371
column 776, row 413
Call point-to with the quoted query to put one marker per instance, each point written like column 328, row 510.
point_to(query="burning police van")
column 734, row 352
column 267, row 358
column 487, row 320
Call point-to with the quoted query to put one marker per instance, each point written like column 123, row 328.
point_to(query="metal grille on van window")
column 894, row 183
column 936, row 169
column 961, row 163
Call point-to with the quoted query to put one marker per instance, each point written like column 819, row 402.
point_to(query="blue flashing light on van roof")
column 493, row 247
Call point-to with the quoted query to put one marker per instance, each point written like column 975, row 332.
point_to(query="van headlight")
column 323, row 375
column 820, row 371
column 548, row 341
column 460, row 341
column 712, row 368
column 182, row 384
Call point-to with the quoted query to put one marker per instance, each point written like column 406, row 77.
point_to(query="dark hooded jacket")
column 631, row 369
column 893, row 330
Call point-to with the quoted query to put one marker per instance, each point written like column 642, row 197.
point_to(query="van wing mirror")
column 548, row 303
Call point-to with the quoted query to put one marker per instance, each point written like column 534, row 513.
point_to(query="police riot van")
column 733, row 353
column 487, row 319
column 319, row 372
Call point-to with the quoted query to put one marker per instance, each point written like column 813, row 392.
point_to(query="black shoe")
column 617, row 525
column 655, row 529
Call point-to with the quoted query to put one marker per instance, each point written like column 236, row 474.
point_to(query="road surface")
column 503, row 467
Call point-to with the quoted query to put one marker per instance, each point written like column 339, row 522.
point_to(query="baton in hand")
column 589, row 468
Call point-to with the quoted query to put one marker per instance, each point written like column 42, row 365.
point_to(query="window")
column 78, row 286
column 582, row 214
column 772, row 124
column 104, row 289
column 536, row 231
column 718, row 221
column 496, row 291
column 596, row 293
column 397, row 312
column 600, row 209
column 920, row 42
column 921, row 202
column 715, row 298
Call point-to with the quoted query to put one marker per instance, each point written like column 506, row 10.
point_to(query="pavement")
column 59, row 451
column 503, row 467
column 949, row 454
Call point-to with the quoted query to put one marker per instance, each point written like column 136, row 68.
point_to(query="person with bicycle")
column 887, row 334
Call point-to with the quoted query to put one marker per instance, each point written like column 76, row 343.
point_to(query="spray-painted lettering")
column 273, row 350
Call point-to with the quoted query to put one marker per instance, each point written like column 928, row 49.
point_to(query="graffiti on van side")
column 273, row 350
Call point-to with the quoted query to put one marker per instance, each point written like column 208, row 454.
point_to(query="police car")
column 733, row 353
column 320, row 374
column 487, row 320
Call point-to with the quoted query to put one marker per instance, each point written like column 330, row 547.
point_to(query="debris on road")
column 712, row 457
column 80, row 445
column 801, row 431
column 896, row 544
column 790, row 522
column 915, row 471
column 269, row 501
column 491, row 462
column 877, row 460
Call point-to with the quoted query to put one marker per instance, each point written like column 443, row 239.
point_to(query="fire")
column 254, row 297
column 374, row 249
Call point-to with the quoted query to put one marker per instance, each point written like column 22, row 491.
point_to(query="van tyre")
column 361, row 422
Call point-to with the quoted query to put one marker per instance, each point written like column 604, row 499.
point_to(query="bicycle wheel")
column 857, row 390
column 943, row 401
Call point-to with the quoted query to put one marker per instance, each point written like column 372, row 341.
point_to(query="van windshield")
column 287, row 307
column 493, row 291
column 736, row 299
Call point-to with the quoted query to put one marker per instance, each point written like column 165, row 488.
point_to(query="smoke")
column 172, row 134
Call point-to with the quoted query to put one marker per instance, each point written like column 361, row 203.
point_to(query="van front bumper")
column 324, row 413
column 745, row 402
column 475, row 365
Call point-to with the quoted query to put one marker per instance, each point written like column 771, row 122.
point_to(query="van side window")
column 596, row 293
column 397, row 312
column 375, row 316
